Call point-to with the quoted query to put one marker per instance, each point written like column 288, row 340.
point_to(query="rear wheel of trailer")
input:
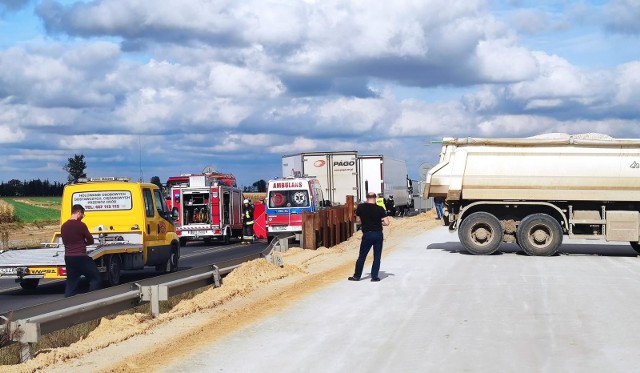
column 481, row 233
column 539, row 235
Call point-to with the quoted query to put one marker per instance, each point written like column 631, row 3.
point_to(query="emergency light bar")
column 106, row 178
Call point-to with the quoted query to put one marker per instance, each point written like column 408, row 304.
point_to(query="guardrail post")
column 155, row 300
column 216, row 276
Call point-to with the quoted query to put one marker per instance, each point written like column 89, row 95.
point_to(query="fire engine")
column 205, row 206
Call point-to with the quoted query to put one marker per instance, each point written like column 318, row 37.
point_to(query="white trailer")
column 336, row 172
column 532, row 191
column 347, row 173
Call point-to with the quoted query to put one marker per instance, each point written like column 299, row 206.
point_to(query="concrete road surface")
column 438, row 309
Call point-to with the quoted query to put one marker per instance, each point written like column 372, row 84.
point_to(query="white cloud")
column 350, row 115
column 500, row 61
column 98, row 142
column 560, row 80
column 296, row 145
column 421, row 119
column 628, row 84
column 9, row 135
column 232, row 81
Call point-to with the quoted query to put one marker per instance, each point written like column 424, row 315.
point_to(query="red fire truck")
column 206, row 206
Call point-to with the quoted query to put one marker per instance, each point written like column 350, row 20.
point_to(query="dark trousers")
column 247, row 232
column 370, row 239
column 78, row 266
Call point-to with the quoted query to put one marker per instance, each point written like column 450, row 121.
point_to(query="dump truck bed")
column 543, row 169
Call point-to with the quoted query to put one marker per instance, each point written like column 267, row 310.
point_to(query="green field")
column 36, row 209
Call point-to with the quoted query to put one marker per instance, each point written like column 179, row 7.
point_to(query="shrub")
column 7, row 212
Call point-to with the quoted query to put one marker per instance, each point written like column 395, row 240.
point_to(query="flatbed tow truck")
column 131, row 225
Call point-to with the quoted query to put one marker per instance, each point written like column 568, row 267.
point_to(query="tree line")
column 33, row 188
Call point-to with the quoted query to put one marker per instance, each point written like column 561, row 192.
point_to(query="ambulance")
column 286, row 200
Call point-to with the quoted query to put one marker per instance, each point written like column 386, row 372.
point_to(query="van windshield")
column 289, row 198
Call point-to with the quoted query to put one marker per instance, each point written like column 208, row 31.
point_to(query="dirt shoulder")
column 257, row 289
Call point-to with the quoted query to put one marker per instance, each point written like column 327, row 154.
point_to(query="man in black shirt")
column 372, row 217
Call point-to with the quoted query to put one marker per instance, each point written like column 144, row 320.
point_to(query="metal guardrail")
column 27, row 325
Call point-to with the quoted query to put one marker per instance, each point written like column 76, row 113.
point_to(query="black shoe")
column 354, row 278
column 375, row 279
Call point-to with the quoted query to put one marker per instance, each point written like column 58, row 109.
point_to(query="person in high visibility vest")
column 380, row 202
column 247, row 222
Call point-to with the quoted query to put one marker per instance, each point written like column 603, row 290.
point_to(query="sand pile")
column 255, row 290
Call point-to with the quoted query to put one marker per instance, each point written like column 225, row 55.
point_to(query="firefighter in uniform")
column 380, row 202
column 247, row 222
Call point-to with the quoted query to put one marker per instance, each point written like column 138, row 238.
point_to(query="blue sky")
column 236, row 85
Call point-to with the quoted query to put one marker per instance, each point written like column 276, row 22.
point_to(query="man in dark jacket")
column 372, row 217
column 76, row 237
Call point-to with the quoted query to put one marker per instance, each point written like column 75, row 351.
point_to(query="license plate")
column 8, row 271
column 279, row 228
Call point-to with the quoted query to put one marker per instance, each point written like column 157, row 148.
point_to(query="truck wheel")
column 227, row 236
column 114, row 266
column 29, row 283
column 183, row 241
column 539, row 235
column 481, row 233
column 174, row 258
column 635, row 246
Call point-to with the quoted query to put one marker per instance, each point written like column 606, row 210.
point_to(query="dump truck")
column 129, row 221
column 534, row 191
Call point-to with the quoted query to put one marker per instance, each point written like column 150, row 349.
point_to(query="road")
column 438, row 309
column 194, row 254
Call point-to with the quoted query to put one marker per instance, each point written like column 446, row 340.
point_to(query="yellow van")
column 131, row 225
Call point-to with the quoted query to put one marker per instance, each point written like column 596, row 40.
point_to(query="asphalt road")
column 194, row 254
column 439, row 309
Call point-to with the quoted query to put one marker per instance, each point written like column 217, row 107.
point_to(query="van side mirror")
column 174, row 213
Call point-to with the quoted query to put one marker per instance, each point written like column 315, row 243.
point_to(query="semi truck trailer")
column 534, row 191
column 348, row 173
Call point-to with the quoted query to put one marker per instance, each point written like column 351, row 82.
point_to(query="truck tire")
column 171, row 264
column 635, row 246
column 114, row 268
column 29, row 283
column 183, row 241
column 174, row 258
column 481, row 233
column 227, row 236
column 539, row 235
